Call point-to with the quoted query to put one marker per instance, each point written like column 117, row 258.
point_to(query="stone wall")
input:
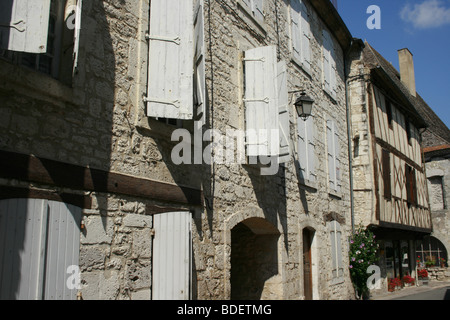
column 100, row 123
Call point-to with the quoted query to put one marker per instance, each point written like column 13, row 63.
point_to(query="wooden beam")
column 30, row 168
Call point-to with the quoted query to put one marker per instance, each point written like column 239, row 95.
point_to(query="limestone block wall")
column 100, row 123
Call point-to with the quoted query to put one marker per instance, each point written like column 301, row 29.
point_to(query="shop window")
column 430, row 252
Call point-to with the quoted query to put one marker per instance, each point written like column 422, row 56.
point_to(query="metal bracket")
column 265, row 100
column 255, row 59
column 174, row 103
column 175, row 40
column 20, row 25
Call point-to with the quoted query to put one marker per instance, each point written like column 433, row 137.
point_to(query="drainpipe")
column 349, row 134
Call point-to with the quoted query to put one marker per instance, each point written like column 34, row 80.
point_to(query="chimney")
column 407, row 76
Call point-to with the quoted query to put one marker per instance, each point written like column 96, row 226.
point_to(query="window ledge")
column 301, row 65
column 330, row 95
column 335, row 194
column 308, row 183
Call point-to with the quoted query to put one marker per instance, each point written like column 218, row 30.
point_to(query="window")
column 408, row 130
column 306, row 149
column 389, row 111
column 255, row 9
column 266, row 104
column 436, row 188
column 57, row 55
column 336, row 249
column 329, row 65
column 386, row 167
column 300, row 35
column 176, row 61
column 411, row 187
column 430, row 252
column 334, row 162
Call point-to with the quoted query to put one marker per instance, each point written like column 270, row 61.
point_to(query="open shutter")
column 199, row 58
column 76, row 40
column 172, row 256
column 305, row 36
column 24, row 25
column 171, row 58
column 261, row 108
column 283, row 112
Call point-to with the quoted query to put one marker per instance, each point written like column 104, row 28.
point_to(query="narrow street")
column 439, row 290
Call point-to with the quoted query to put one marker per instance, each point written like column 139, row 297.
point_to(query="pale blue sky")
column 422, row 26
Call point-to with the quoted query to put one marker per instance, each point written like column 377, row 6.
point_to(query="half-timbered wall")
column 398, row 161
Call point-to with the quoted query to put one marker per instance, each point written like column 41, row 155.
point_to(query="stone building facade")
column 76, row 130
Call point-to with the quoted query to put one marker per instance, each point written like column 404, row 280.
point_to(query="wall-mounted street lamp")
column 304, row 105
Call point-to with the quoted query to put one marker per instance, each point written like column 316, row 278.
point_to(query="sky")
column 422, row 26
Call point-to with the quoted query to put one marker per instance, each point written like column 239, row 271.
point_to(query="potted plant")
column 442, row 261
column 423, row 276
column 394, row 284
column 408, row 281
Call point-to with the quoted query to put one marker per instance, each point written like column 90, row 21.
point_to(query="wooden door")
column 307, row 264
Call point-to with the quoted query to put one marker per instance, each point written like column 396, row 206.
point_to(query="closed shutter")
column 387, row 173
column 39, row 240
column 172, row 256
column 258, row 10
column 336, row 249
column 24, row 25
column 302, row 149
column 326, row 60
column 311, row 153
column 334, row 161
column 283, row 109
column 261, row 108
column 305, row 33
column 200, row 69
column 63, row 246
column 296, row 32
column 171, row 58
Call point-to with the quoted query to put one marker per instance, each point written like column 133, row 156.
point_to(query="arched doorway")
column 254, row 259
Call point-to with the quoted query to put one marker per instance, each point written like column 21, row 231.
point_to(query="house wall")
column 100, row 123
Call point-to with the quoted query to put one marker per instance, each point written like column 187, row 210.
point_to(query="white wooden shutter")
column 311, row 149
column 326, row 61
column 306, row 149
column 248, row 4
column 39, row 240
column 305, row 36
column 76, row 40
column 24, row 25
column 336, row 248
column 172, row 256
column 171, row 59
column 261, row 108
column 296, row 34
column 258, row 10
column 334, row 161
column 302, row 148
column 63, row 247
column 283, row 111
column 199, row 58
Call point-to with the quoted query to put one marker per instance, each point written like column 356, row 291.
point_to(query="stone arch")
column 252, row 256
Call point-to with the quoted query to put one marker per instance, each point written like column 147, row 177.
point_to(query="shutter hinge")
column 175, row 103
column 19, row 25
column 175, row 40
column 152, row 232
column 265, row 100
column 255, row 59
